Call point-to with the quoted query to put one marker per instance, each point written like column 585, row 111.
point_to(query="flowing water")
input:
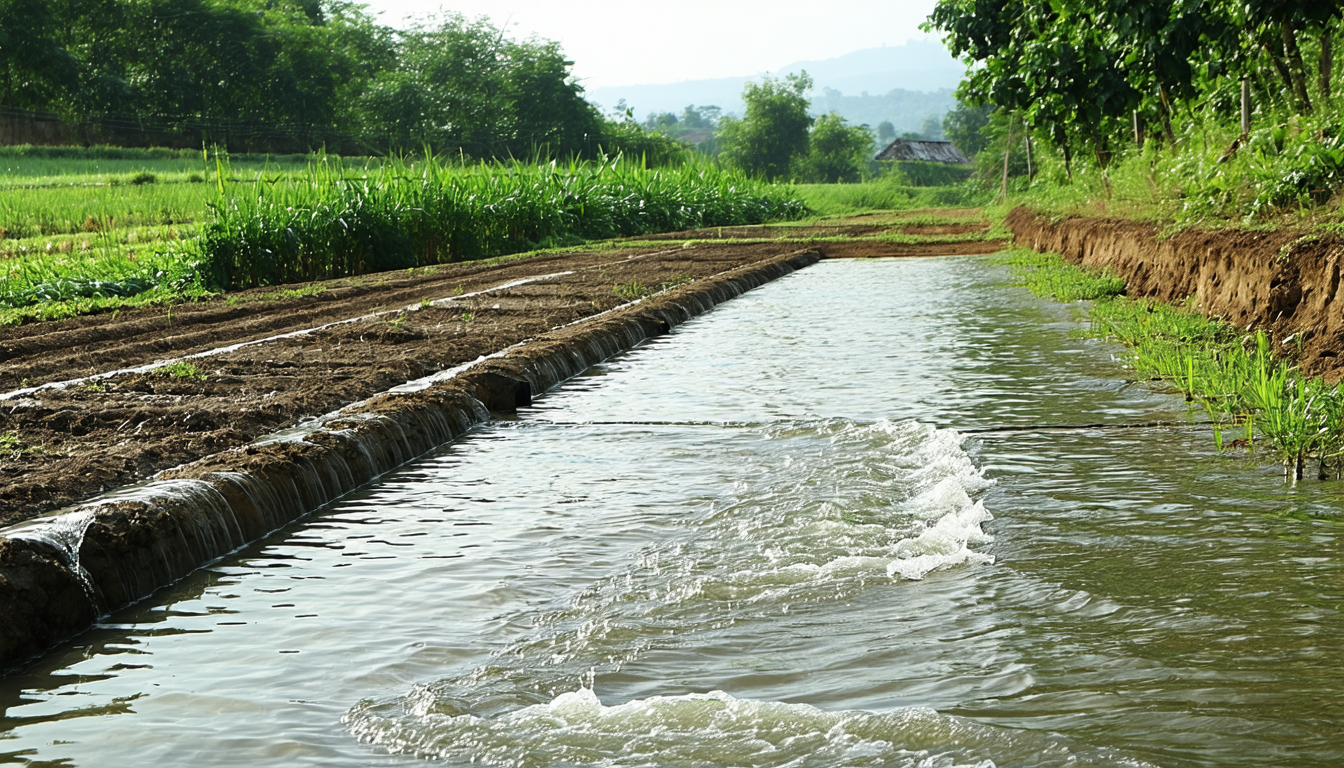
column 877, row 513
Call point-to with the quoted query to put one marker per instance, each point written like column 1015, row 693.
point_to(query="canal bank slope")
column 1286, row 282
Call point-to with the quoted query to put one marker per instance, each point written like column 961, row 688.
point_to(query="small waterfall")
column 65, row 534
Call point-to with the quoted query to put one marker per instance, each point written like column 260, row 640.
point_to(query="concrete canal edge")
column 59, row 573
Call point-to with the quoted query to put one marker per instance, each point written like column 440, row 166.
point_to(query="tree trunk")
column 1245, row 106
column 1296, row 68
column 1327, row 62
column 1031, row 172
column 1275, row 51
column 1166, row 117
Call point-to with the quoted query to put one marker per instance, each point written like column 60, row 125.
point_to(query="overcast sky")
column 616, row 42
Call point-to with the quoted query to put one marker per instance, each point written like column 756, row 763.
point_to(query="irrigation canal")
column 840, row 521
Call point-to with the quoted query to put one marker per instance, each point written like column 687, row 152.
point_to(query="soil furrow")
column 82, row 440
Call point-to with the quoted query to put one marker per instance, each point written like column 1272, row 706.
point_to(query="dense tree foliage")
column 775, row 129
column 964, row 127
column 34, row 67
column 1082, row 72
column 457, row 85
column 777, row 139
column 836, row 152
column 463, row 85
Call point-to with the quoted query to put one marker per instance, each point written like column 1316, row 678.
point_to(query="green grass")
column 886, row 195
column 182, row 369
column 1289, row 171
column 31, row 212
column 28, row 166
column 930, row 219
column 1235, row 377
column 304, row 292
column 924, row 174
column 1048, row 275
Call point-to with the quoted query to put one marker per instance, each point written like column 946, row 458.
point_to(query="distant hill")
column 905, row 84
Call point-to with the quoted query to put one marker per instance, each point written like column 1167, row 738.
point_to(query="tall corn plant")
column 333, row 222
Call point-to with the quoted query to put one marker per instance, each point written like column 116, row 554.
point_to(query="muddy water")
column 840, row 521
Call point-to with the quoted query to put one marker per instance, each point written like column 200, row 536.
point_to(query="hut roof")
column 926, row 151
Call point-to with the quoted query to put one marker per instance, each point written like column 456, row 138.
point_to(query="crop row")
column 328, row 222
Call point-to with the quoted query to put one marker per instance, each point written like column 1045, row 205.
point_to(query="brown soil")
column 773, row 232
column 1285, row 282
column 861, row 249
column 101, row 433
column 944, row 229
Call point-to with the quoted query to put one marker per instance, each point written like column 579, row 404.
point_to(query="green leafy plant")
column 182, row 369
column 631, row 291
column 407, row 214
column 12, row 446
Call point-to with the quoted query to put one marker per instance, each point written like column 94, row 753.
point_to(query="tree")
column 886, row 132
column 34, row 67
column 548, row 115
column 774, row 131
column 691, row 118
column 1082, row 70
column 964, row 126
column 462, row 86
column 837, row 152
column 932, row 130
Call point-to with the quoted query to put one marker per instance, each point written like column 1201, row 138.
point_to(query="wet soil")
column 74, row 422
column 1286, row 282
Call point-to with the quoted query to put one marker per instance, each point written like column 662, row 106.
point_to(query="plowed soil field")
column 94, row 403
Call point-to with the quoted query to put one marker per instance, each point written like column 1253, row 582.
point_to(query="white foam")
column 834, row 508
column 838, row 508
column 706, row 730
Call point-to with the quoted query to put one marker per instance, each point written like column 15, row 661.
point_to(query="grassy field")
column 86, row 230
column 886, row 194
column 63, row 191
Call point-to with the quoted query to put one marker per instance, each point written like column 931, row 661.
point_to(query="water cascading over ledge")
column 60, row 572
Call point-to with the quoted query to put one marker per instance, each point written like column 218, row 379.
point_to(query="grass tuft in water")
column 1050, row 276
column 1238, row 379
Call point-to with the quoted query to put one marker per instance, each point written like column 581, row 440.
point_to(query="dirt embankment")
column 1286, row 282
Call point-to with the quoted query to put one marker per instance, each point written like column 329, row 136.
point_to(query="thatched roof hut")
column 923, row 151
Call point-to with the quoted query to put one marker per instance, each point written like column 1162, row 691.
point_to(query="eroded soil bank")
column 1286, row 282
column 307, row 355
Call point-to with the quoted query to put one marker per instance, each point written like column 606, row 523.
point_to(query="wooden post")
column 1007, row 148
column 1138, row 138
column 1026, row 139
column 1245, row 105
